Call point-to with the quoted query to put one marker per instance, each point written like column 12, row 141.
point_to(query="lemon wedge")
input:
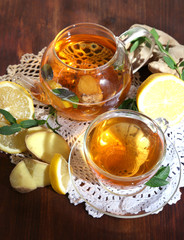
column 162, row 95
column 14, row 143
column 16, row 100
column 59, row 175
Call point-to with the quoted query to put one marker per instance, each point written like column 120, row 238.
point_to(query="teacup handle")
column 162, row 123
column 140, row 56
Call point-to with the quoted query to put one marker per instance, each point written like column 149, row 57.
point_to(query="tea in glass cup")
column 85, row 70
column 124, row 149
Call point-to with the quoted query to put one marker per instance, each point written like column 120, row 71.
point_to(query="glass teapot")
column 86, row 70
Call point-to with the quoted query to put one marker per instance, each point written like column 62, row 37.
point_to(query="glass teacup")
column 86, row 70
column 124, row 149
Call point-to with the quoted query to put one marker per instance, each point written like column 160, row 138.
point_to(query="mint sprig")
column 67, row 95
column 168, row 59
column 15, row 127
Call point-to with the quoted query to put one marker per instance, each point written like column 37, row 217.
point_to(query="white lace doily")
column 148, row 201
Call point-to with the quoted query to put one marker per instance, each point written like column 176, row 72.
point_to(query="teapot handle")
column 145, row 41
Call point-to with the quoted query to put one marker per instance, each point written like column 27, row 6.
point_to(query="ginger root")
column 156, row 64
column 89, row 89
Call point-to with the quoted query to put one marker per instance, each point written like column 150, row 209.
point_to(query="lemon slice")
column 16, row 100
column 14, row 143
column 59, row 175
column 162, row 95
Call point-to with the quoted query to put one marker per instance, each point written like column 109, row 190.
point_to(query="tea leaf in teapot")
column 47, row 72
column 63, row 93
column 74, row 99
column 66, row 94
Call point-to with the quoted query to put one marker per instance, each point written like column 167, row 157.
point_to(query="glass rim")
column 88, row 71
column 108, row 115
column 100, row 68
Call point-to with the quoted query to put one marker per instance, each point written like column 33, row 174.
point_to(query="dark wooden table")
column 26, row 26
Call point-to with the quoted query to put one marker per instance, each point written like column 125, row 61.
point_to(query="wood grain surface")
column 26, row 26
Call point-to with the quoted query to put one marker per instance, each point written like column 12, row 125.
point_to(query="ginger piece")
column 159, row 66
column 156, row 64
column 44, row 144
column 89, row 90
column 164, row 38
column 29, row 174
column 21, row 179
column 39, row 171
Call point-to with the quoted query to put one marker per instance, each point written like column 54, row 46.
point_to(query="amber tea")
column 82, row 65
column 85, row 51
column 123, row 147
column 86, row 70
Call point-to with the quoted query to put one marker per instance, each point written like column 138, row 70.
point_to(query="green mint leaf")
column 182, row 75
column 154, row 33
column 156, row 182
column 28, row 123
column 161, row 48
column 31, row 123
column 167, row 47
column 63, row 93
column 159, row 179
column 52, row 110
column 47, row 72
column 163, row 172
column 181, row 64
column 156, row 37
column 137, row 43
column 10, row 129
column 67, row 95
column 169, row 62
column 134, row 46
column 40, row 122
column 129, row 104
column 74, row 99
column 8, row 116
